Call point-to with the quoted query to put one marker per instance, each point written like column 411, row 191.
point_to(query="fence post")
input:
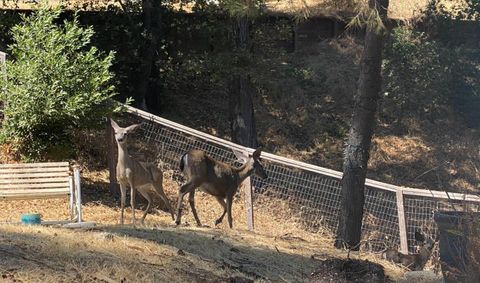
column 3, row 72
column 3, row 59
column 402, row 225
column 78, row 192
column 112, row 165
column 248, row 189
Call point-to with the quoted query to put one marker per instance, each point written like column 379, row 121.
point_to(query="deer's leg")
column 229, row 209
column 186, row 188
column 132, row 202
column 123, row 191
column 221, row 201
column 161, row 193
column 191, row 200
column 149, row 200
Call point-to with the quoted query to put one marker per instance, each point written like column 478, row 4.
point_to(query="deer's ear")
column 256, row 154
column 241, row 156
column 132, row 127
column 114, row 125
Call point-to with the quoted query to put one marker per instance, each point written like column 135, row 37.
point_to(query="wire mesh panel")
column 315, row 198
column 380, row 220
column 419, row 212
column 311, row 196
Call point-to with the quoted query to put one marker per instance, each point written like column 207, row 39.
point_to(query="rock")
column 425, row 276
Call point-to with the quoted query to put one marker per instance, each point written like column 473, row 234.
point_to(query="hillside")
column 303, row 108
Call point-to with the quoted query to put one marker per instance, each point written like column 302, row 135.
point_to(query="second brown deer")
column 216, row 178
column 414, row 261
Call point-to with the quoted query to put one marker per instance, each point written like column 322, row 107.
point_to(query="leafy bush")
column 416, row 73
column 56, row 82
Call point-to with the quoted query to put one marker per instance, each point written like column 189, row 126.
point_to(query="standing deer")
column 415, row 261
column 136, row 175
column 216, row 178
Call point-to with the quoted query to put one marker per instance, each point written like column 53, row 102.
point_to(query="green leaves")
column 416, row 72
column 55, row 82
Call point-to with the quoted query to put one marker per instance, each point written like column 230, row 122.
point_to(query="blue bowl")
column 31, row 218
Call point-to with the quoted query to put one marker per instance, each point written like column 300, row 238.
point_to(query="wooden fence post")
column 3, row 72
column 402, row 225
column 112, row 164
column 78, row 192
column 3, row 58
column 248, row 189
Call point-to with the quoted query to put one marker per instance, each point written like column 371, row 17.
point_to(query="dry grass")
column 279, row 250
column 88, row 5
column 398, row 9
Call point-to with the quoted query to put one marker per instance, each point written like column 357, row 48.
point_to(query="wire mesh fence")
column 313, row 193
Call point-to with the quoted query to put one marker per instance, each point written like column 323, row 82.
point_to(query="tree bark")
column 242, row 119
column 147, row 58
column 356, row 153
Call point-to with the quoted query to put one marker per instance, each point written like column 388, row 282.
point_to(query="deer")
column 215, row 178
column 137, row 175
column 414, row 261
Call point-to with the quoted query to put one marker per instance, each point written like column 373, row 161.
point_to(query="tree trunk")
column 242, row 119
column 147, row 56
column 358, row 145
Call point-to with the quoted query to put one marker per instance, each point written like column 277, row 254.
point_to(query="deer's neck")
column 244, row 171
column 122, row 154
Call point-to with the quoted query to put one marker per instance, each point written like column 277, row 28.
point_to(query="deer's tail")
column 183, row 161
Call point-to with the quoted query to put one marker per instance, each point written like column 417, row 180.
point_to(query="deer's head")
column 254, row 161
column 257, row 164
column 121, row 134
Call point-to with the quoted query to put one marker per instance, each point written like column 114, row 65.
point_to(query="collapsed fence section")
column 391, row 214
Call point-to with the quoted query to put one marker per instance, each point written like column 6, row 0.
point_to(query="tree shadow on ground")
column 176, row 255
column 253, row 260
column 42, row 257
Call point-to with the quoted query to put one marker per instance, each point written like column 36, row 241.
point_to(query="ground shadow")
column 253, row 260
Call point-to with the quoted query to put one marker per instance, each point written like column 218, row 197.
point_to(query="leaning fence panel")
column 311, row 195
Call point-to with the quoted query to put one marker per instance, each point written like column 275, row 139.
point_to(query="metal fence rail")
column 391, row 212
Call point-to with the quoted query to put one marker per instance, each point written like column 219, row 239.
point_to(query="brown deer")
column 415, row 261
column 216, row 178
column 136, row 175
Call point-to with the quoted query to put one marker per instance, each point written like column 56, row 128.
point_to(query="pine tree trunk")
column 356, row 153
column 242, row 120
column 147, row 56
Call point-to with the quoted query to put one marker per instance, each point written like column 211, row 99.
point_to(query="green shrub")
column 417, row 75
column 55, row 82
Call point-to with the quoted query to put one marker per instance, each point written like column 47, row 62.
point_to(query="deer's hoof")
column 176, row 222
